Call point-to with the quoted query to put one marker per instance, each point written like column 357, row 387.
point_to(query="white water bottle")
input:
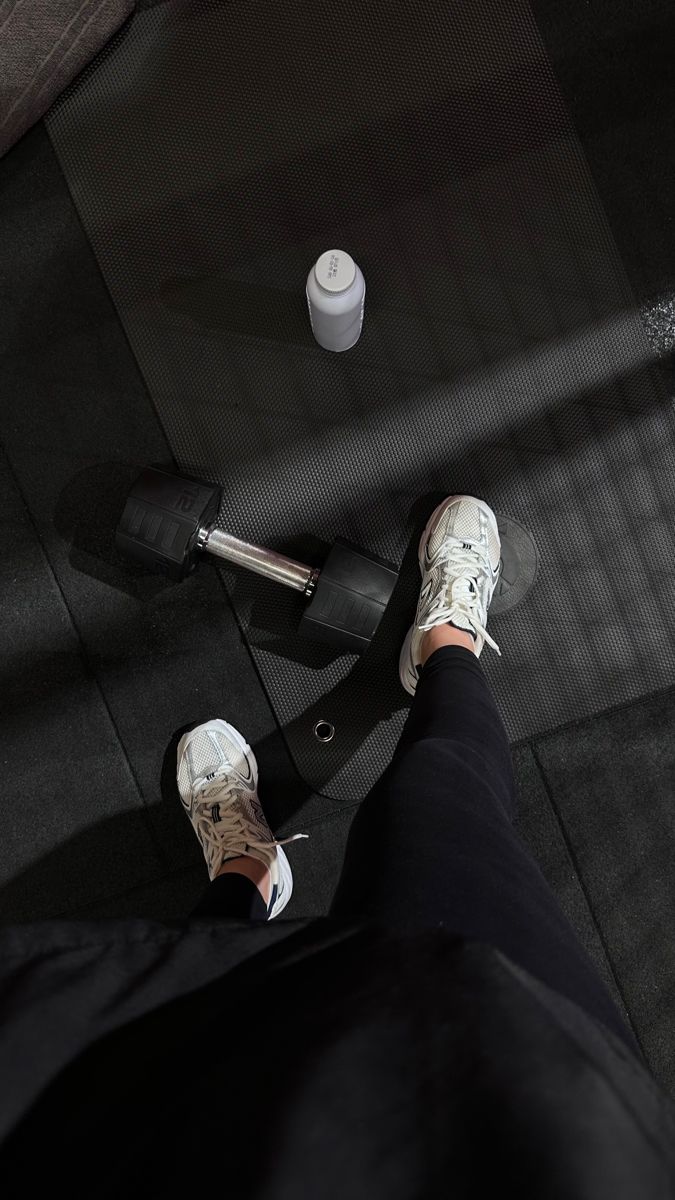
column 336, row 295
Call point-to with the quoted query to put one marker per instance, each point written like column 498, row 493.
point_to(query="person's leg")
column 232, row 895
column 241, row 888
column 433, row 844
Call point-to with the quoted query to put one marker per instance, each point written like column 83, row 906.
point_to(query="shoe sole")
column 406, row 672
column 285, row 887
column 285, row 890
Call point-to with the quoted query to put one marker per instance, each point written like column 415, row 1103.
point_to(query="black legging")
column 433, row 843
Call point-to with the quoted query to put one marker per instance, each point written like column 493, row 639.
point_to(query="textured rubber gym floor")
column 103, row 667
column 212, row 154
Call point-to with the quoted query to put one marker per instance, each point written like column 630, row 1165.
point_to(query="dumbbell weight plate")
column 163, row 519
column 351, row 595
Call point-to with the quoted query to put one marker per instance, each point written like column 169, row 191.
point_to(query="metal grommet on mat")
column 324, row 731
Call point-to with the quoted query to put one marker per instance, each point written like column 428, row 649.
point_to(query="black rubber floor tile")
column 166, row 898
column 612, row 781
column 64, row 771
column 317, row 862
column 540, row 828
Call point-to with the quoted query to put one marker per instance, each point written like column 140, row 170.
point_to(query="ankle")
column 445, row 635
column 252, row 869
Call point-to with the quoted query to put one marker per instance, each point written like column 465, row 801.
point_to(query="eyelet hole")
column 324, row 731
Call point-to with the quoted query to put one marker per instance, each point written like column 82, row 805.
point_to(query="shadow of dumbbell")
column 86, row 517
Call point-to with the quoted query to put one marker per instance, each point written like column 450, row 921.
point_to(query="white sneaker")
column 459, row 558
column 218, row 782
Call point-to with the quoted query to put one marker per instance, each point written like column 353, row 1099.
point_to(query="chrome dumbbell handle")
column 260, row 560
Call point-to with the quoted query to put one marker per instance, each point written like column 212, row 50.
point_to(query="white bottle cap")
column 336, row 295
column 335, row 271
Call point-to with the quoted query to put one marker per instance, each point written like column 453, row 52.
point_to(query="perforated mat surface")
column 213, row 152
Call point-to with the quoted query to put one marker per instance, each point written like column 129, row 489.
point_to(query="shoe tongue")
column 207, row 789
column 463, row 598
column 464, row 588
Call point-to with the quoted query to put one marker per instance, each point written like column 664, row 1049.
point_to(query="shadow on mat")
column 118, row 869
column 86, row 516
column 110, row 871
column 97, row 868
column 233, row 306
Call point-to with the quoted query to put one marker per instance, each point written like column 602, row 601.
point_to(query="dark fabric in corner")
column 390, row 1065
column 44, row 44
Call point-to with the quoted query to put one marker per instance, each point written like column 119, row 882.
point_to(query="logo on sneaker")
column 211, row 776
column 215, row 812
column 425, row 593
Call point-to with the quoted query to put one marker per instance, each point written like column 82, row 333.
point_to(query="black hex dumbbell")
column 169, row 522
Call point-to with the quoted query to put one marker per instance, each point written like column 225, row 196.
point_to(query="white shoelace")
column 232, row 832
column 459, row 596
